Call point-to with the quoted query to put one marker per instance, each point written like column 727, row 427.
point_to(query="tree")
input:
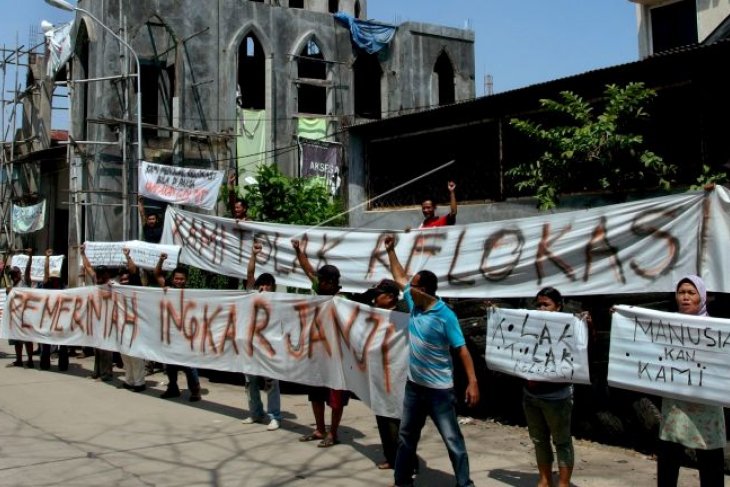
column 591, row 148
column 277, row 198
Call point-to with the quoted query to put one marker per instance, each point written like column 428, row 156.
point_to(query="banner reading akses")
column 538, row 345
column 180, row 185
column 670, row 355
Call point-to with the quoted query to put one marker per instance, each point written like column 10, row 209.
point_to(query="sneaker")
column 252, row 420
column 273, row 425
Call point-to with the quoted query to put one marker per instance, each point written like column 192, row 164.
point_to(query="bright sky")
column 518, row 42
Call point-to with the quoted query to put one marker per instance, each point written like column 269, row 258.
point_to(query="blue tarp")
column 370, row 36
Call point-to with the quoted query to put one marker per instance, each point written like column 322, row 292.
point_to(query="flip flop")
column 328, row 442
column 311, row 437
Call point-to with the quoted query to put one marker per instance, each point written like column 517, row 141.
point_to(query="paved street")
column 66, row 429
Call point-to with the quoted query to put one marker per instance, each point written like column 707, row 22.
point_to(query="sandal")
column 328, row 442
column 384, row 466
column 312, row 437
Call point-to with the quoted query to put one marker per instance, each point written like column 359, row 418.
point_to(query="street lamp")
column 64, row 5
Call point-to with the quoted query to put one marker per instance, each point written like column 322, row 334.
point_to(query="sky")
column 519, row 43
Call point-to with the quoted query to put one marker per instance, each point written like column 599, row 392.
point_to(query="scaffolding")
column 14, row 65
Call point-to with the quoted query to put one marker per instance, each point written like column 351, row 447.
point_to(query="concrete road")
column 66, row 429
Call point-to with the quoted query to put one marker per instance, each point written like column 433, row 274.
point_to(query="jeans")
column 190, row 373
column 546, row 418
column 254, row 384
column 420, row 402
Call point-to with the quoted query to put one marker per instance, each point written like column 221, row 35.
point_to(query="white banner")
column 670, row 355
column 538, row 345
column 37, row 266
column 315, row 340
column 144, row 254
column 28, row 219
column 59, row 46
column 180, row 185
column 642, row 246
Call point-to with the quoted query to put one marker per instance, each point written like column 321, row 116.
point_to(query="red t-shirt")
column 438, row 221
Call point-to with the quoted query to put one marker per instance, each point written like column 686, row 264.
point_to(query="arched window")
column 296, row 3
column 82, row 91
column 357, row 9
column 159, row 76
column 444, row 72
column 334, row 6
column 368, row 75
column 311, row 79
column 251, row 74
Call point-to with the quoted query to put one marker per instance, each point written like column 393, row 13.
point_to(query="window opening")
column 368, row 75
column 334, row 6
column 312, row 77
column 251, row 74
column 445, row 73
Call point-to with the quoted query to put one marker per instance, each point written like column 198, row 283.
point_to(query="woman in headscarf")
column 691, row 425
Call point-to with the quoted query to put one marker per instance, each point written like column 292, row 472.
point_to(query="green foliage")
column 591, row 148
column 708, row 176
column 201, row 279
column 277, row 198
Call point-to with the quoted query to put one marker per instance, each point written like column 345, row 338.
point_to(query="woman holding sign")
column 548, row 407
column 691, row 425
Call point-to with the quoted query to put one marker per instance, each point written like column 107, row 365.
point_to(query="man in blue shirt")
column 433, row 330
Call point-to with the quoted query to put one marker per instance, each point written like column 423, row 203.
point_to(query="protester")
column 428, row 207
column 134, row 367
column 21, row 281
column 433, row 331
column 178, row 281
column 325, row 282
column 103, row 359
column 237, row 206
column 548, row 407
column 255, row 383
column 385, row 296
column 691, row 425
column 52, row 283
column 151, row 224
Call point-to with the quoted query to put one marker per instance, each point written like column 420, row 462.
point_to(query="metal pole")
column 125, row 164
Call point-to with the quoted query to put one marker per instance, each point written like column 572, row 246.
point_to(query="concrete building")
column 669, row 24
column 210, row 68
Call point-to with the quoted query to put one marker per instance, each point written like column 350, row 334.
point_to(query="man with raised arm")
column 52, row 283
column 179, row 279
column 428, row 207
column 256, row 383
column 134, row 367
column 325, row 282
column 151, row 227
column 103, row 359
column 18, row 279
column 433, row 331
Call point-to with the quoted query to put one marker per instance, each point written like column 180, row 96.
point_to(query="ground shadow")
column 516, row 478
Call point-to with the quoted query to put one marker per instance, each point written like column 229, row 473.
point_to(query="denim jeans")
column 420, row 402
column 254, row 384
column 546, row 418
column 190, row 373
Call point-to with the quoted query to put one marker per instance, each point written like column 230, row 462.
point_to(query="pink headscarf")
column 699, row 284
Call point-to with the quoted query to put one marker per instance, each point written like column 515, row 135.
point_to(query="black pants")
column 710, row 463
column 46, row 357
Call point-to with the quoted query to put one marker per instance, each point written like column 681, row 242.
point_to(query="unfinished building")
column 235, row 83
